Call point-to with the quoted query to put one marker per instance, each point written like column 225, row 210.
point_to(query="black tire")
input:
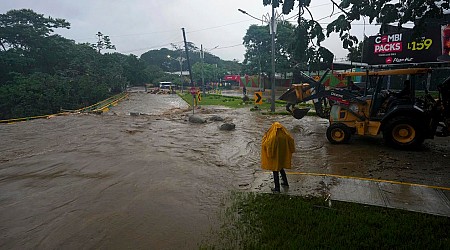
column 338, row 133
column 403, row 133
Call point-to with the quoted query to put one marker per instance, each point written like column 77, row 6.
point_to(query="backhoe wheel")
column 338, row 133
column 403, row 133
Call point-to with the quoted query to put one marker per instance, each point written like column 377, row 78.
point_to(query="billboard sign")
column 403, row 47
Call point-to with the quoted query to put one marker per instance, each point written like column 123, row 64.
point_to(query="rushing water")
column 142, row 176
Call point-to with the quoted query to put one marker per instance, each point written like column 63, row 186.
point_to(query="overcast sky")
column 136, row 26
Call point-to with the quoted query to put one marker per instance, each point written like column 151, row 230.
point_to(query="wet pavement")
column 142, row 176
column 390, row 194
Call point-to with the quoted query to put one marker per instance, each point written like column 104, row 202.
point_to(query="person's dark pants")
column 276, row 179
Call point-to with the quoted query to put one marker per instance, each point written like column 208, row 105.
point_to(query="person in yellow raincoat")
column 276, row 153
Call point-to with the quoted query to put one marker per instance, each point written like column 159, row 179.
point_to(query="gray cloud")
column 136, row 26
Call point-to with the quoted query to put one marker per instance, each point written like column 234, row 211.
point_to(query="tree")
column 161, row 58
column 103, row 43
column 292, row 49
column 41, row 72
column 381, row 11
column 168, row 60
column 153, row 72
column 257, row 41
column 22, row 29
column 356, row 53
column 210, row 72
column 258, row 45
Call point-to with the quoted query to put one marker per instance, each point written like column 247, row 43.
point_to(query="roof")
column 184, row 73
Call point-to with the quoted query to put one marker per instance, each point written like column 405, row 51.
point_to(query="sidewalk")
column 406, row 196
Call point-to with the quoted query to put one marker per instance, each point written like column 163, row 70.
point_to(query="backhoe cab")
column 396, row 103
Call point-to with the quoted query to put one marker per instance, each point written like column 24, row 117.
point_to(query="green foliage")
column 40, row 72
column 160, row 58
column 380, row 11
column 22, row 29
column 211, row 73
column 103, row 43
column 356, row 52
column 293, row 47
column 258, row 57
column 267, row 221
column 169, row 61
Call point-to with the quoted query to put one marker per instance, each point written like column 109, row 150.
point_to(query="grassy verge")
column 232, row 102
column 266, row 221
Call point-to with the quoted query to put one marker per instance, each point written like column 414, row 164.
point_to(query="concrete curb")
column 405, row 196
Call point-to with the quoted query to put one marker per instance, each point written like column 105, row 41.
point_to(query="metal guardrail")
column 103, row 106
column 100, row 107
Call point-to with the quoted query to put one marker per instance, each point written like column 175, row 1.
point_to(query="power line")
column 231, row 46
column 147, row 33
column 220, row 26
column 320, row 19
column 176, row 30
column 180, row 42
column 320, row 5
column 154, row 47
column 291, row 17
column 167, row 31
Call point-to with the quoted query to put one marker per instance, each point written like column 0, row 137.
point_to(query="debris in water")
column 228, row 126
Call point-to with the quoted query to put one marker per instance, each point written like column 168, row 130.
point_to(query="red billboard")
column 432, row 45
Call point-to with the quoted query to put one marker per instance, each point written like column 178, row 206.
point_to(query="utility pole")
column 187, row 57
column 180, row 60
column 189, row 66
column 202, row 56
column 181, row 71
column 272, row 32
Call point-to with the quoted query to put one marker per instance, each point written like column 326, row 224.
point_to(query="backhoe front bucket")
column 289, row 96
column 300, row 113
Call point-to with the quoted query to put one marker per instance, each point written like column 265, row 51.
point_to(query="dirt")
column 154, row 180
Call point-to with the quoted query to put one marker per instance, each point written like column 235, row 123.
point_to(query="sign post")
column 199, row 96
column 193, row 92
column 258, row 98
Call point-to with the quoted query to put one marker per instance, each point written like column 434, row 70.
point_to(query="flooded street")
column 153, row 180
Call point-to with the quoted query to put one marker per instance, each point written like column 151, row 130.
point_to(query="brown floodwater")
column 154, row 180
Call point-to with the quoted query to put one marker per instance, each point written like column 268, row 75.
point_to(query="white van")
column 165, row 85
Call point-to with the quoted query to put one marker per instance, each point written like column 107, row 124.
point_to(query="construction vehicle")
column 405, row 118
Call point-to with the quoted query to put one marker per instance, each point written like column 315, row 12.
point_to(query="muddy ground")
column 154, row 180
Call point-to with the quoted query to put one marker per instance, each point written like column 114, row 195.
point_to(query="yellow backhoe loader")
column 405, row 118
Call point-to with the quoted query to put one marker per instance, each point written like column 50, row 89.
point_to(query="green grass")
column 233, row 102
column 267, row 221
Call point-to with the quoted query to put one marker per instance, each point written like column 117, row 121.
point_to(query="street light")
column 202, row 57
column 272, row 32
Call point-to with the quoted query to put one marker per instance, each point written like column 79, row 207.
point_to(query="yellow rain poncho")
column 277, row 148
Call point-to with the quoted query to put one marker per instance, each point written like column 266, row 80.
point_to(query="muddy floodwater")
column 142, row 176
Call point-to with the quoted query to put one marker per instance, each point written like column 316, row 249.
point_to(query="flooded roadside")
column 153, row 180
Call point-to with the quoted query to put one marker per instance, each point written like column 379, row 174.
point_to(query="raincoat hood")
column 276, row 148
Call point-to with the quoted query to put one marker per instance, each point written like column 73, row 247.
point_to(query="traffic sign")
column 193, row 90
column 258, row 98
column 199, row 96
